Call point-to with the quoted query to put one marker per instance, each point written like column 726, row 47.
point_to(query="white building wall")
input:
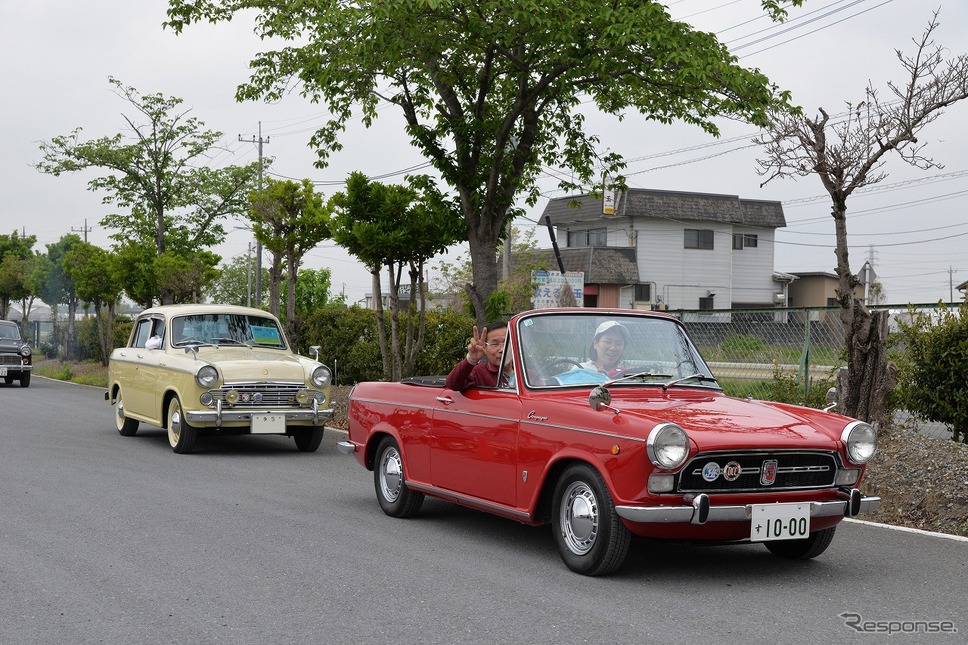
column 752, row 269
column 682, row 276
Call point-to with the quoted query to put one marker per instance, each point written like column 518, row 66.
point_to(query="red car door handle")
column 446, row 400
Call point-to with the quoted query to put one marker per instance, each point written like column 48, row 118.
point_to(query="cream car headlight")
column 206, row 376
column 861, row 441
column 668, row 446
column 322, row 376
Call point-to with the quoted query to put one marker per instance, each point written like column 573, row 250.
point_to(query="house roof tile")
column 671, row 205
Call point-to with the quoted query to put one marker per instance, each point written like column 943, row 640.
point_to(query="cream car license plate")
column 268, row 424
column 780, row 522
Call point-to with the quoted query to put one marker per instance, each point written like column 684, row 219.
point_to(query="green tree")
column 932, row 367
column 848, row 153
column 16, row 262
column 95, row 274
column 139, row 279
column 491, row 90
column 185, row 276
column 57, row 288
column 397, row 228
column 235, row 284
column 514, row 292
column 313, row 290
column 157, row 173
column 289, row 219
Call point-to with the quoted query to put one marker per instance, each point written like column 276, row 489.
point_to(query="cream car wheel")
column 181, row 436
column 126, row 427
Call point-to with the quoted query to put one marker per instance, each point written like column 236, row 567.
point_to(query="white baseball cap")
column 611, row 324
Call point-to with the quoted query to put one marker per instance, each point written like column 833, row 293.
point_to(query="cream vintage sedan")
column 216, row 369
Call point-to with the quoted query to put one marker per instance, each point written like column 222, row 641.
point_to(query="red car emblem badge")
column 732, row 471
column 768, row 472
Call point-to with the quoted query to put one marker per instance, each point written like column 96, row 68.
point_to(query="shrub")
column 349, row 344
column 787, row 387
column 933, row 365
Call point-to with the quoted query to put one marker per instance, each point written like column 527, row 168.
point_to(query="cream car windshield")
column 226, row 329
column 561, row 350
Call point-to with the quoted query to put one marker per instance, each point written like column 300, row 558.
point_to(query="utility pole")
column 248, row 273
column 84, row 230
column 258, row 245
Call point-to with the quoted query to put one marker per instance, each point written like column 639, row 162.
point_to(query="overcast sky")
column 58, row 55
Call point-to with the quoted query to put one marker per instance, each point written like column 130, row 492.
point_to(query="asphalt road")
column 107, row 539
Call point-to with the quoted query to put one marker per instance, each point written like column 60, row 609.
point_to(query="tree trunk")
column 869, row 378
column 70, row 343
column 380, row 324
column 292, row 325
column 484, row 268
column 275, row 284
column 395, row 358
column 417, row 305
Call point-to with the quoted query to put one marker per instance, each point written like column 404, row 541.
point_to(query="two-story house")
column 689, row 250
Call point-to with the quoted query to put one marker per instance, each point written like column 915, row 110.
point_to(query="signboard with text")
column 548, row 286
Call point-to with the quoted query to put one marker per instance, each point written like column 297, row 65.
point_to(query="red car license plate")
column 779, row 522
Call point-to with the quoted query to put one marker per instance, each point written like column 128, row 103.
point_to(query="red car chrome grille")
column 735, row 472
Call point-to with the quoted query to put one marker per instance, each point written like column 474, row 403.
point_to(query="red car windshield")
column 582, row 349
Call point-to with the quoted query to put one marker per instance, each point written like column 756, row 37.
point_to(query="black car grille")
column 760, row 471
column 261, row 395
column 11, row 359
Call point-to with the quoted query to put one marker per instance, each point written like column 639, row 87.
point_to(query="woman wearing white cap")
column 608, row 347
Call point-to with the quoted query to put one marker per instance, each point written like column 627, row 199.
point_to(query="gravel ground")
column 922, row 481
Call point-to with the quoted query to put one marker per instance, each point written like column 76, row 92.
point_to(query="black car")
column 15, row 355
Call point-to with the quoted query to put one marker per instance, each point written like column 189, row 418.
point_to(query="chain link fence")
column 783, row 354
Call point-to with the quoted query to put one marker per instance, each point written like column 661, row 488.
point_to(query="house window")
column 589, row 237
column 745, row 240
column 696, row 238
column 643, row 293
column 706, row 304
column 596, row 237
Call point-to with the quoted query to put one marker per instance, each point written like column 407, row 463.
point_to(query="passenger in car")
column 482, row 365
column 608, row 347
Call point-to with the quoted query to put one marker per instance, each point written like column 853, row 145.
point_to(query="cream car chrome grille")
column 757, row 471
column 261, row 395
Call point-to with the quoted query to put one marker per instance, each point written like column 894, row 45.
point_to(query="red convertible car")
column 611, row 425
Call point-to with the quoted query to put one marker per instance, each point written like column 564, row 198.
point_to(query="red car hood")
column 717, row 422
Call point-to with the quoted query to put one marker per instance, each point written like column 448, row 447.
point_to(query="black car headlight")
column 860, row 440
column 206, row 376
column 668, row 446
column 25, row 350
column 322, row 376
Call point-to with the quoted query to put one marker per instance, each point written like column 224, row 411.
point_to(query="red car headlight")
column 668, row 446
column 860, row 440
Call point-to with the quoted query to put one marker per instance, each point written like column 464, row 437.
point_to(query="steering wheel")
column 545, row 373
